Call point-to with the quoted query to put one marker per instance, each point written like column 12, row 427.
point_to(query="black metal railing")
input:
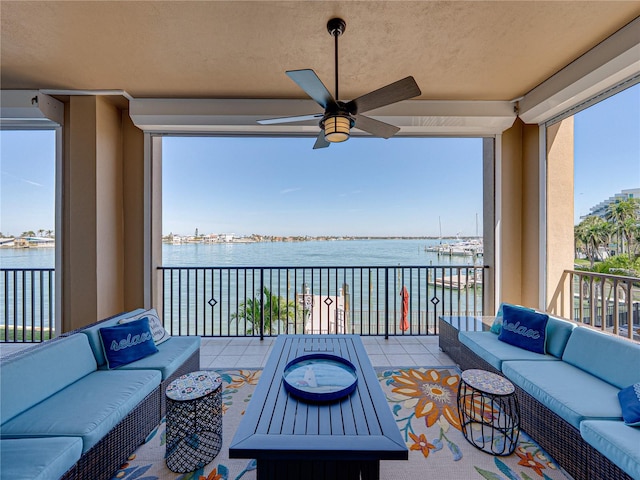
column 266, row 301
column 608, row 302
column 27, row 306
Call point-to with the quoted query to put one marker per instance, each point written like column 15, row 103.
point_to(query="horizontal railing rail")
column 27, row 304
column 267, row 301
column 608, row 302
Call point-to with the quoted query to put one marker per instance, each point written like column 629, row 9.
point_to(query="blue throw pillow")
column 630, row 403
column 126, row 343
column 524, row 328
column 496, row 327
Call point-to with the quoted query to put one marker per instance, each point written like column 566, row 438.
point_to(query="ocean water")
column 314, row 253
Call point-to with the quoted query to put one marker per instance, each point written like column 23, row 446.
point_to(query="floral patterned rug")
column 423, row 402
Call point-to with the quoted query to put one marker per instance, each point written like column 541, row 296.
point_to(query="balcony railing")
column 27, row 305
column 266, row 301
column 608, row 302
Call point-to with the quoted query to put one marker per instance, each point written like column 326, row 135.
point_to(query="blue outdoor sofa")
column 568, row 395
column 64, row 414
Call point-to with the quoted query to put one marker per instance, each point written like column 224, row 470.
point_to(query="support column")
column 518, row 216
column 560, row 208
column 99, row 237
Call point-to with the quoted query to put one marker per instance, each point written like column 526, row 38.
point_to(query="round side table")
column 194, row 421
column 489, row 412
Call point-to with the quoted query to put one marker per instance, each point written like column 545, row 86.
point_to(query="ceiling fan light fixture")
column 337, row 128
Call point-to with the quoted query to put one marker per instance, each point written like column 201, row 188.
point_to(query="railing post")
column 261, row 303
column 386, row 304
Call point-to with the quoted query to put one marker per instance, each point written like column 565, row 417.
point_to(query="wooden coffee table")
column 295, row 439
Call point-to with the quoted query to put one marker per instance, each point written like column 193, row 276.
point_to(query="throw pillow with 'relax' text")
column 126, row 343
column 524, row 328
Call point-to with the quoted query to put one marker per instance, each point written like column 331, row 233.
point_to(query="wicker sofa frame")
column 104, row 459
column 555, row 435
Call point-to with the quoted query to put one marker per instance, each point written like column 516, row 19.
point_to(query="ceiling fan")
column 339, row 117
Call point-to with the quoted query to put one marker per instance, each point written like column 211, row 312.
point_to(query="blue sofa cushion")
column 38, row 458
column 605, row 356
column 88, row 408
column 171, row 355
column 569, row 392
column 487, row 346
column 616, row 441
column 93, row 334
column 524, row 328
column 558, row 333
column 630, row 403
column 33, row 377
column 127, row 343
column 158, row 331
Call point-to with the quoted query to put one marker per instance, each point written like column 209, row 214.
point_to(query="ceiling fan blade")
column 392, row 93
column 299, row 118
column 375, row 127
column 321, row 142
column 308, row 81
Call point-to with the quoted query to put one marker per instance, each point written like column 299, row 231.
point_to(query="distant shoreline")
column 185, row 240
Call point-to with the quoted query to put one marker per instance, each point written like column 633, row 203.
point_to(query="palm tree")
column 274, row 308
column 593, row 232
column 624, row 216
column 28, row 233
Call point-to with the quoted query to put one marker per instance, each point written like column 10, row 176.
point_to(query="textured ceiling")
column 457, row 50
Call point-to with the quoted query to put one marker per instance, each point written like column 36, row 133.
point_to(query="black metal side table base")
column 194, row 421
column 490, row 421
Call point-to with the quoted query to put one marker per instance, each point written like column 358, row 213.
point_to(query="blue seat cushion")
column 38, row 458
column 487, row 346
column 35, row 376
column 571, row 393
column 88, row 408
column 613, row 354
column 618, row 442
column 170, row 356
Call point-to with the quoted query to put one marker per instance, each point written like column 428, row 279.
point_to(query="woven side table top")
column 488, row 382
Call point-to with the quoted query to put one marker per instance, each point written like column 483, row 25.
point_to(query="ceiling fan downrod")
column 336, row 27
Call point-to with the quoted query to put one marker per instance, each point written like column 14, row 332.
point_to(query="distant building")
column 600, row 210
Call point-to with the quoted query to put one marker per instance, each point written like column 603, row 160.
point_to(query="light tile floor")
column 231, row 352
column 396, row 351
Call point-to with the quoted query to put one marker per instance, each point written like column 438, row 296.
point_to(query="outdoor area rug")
column 423, row 402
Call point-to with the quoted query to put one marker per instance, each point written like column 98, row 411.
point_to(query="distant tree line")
column 30, row 233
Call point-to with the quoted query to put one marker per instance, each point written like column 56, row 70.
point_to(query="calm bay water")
column 187, row 301
column 272, row 254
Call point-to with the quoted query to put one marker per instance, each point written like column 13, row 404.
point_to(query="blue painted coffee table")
column 296, row 439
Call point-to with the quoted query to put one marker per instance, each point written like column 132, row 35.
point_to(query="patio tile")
column 425, row 360
column 379, row 360
column 400, row 360
column 257, row 349
column 233, row 350
column 392, row 349
column 251, row 361
column 414, row 348
column 373, row 349
column 225, row 361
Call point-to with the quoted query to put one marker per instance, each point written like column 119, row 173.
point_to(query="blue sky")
column 364, row 186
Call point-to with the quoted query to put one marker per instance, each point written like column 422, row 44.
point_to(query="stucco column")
column 518, row 215
column 560, row 241
column 95, row 199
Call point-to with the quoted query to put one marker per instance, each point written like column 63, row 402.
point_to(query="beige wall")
column 560, row 242
column 102, row 212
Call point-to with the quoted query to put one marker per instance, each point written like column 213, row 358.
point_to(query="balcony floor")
column 243, row 352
